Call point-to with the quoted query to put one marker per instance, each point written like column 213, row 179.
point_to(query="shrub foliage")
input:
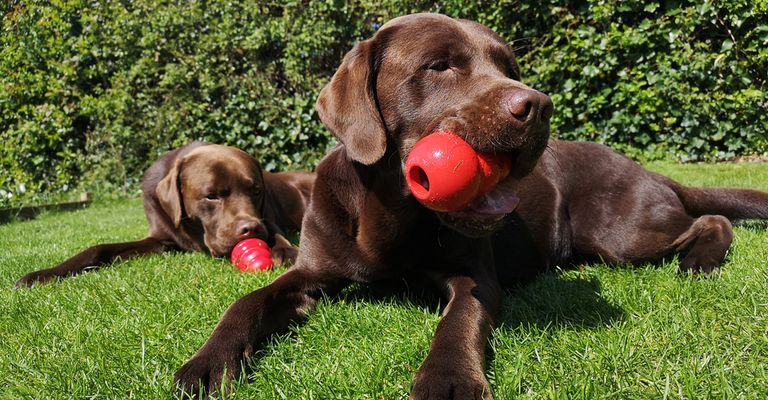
column 92, row 91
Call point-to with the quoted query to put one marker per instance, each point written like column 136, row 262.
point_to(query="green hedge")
column 92, row 91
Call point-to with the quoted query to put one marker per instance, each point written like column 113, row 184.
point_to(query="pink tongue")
column 501, row 200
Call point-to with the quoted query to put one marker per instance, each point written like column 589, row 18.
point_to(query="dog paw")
column 30, row 279
column 207, row 373
column 700, row 263
column 450, row 384
column 284, row 254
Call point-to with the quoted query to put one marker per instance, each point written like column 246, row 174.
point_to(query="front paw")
column 446, row 382
column 207, row 372
column 284, row 254
column 31, row 279
column 702, row 262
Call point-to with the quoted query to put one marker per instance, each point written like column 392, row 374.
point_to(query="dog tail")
column 734, row 204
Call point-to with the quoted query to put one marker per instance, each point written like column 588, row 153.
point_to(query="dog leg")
column 283, row 251
column 93, row 257
column 247, row 322
column 455, row 365
column 705, row 244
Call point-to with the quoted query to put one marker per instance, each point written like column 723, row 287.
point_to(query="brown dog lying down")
column 574, row 202
column 205, row 197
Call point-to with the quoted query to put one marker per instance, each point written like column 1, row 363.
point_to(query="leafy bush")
column 92, row 91
column 661, row 78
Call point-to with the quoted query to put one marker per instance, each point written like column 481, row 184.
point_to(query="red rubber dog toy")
column 252, row 255
column 445, row 173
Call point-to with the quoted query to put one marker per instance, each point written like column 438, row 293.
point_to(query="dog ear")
column 168, row 192
column 347, row 105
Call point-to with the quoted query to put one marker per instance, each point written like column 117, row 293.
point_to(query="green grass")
column 602, row 332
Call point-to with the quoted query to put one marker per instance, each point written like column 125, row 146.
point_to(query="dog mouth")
column 495, row 186
column 223, row 248
column 502, row 165
column 502, row 199
column 487, row 213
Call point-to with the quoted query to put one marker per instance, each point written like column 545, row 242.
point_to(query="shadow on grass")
column 557, row 301
column 552, row 300
column 753, row 224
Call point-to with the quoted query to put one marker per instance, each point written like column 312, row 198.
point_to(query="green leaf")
column 651, row 7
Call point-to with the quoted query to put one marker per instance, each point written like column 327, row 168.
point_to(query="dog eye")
column 439, row 66
column 217, row 195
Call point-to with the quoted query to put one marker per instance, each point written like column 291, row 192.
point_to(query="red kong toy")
column 252, row 255
column 445, row 173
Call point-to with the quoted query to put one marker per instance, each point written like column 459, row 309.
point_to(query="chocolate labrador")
column 562, row 203
column 205, row 197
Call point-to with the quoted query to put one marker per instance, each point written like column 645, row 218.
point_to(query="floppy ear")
column 168, row 192
column 347, row 105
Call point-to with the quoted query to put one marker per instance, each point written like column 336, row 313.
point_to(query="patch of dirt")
column 757, row 158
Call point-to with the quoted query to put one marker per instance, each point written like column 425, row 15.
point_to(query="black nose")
column 530, row 107
column 251, row 228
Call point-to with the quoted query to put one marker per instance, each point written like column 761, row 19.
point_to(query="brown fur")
column 204, row 197
column 578, row 201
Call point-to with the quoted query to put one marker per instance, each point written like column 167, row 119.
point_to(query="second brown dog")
column 205, row 197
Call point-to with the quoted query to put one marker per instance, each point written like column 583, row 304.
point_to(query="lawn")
column 600, row 332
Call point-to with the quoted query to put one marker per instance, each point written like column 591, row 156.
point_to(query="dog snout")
column 251, row 228
column 529, row 107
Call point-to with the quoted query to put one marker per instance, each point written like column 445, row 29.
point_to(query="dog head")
column 427, row 72
column 220, row 187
